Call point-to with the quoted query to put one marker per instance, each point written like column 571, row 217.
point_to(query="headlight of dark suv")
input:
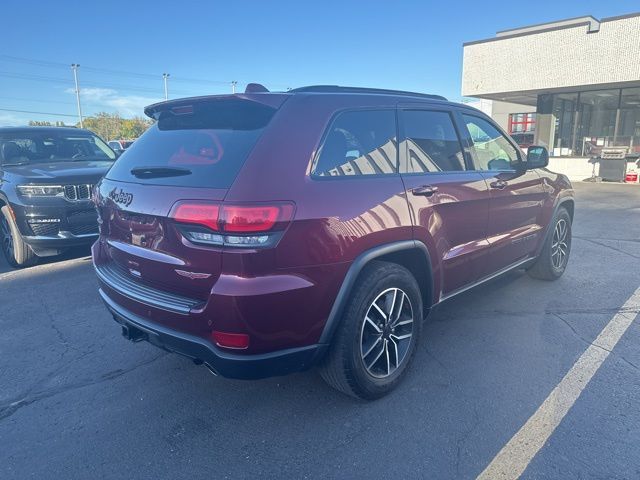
column 40, row 190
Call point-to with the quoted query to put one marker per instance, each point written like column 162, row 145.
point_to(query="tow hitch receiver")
column 134, row 334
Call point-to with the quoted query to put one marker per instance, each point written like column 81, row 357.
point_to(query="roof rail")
column 379, row 91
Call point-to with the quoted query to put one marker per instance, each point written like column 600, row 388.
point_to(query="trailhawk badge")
column 121, row 197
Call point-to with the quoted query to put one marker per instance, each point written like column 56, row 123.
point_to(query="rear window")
column 199, row 145
column 359, row 143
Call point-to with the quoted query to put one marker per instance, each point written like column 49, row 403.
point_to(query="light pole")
column 74, row 67
column 165, row 78
column 233, row 86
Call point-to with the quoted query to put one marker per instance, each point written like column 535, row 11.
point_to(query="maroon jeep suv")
column 265, row 233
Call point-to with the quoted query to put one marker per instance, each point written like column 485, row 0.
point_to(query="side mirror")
column 537, row 157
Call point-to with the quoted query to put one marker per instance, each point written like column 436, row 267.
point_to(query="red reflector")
column 199, row 213
column 231, row 340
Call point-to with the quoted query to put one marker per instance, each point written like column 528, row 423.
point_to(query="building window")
column 587, row 122
column 628, row 128
column 564, row 112
column 596, row 126
column 522, row 123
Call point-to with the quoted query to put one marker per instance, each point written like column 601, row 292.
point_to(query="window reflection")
column 359, row 143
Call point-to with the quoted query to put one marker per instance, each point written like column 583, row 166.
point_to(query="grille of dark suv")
column 44, row 229
column 83, row 222
column 83, row 229
column 78, row 192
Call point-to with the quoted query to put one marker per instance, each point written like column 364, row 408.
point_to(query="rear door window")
column 359, row 143
column 199, row 145
column 432, row 143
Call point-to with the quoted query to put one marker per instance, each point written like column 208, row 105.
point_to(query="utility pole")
column 233, row 86
column 74, row 67
column 165, row 78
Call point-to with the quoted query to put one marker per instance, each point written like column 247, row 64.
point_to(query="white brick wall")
column 568, row 57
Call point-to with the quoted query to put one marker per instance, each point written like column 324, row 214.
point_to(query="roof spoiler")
column 184, row 106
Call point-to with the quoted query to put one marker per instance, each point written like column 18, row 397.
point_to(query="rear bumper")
column 221, row 362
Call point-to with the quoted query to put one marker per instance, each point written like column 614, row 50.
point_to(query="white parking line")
column 516, row 455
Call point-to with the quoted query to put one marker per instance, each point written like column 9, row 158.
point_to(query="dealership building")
column 571, row 85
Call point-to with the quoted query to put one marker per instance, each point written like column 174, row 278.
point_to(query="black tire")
column 17, row 253
column 551, row 263
column 344, row 367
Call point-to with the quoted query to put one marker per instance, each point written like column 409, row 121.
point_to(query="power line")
column 38, row 113
column 59, row 102
column 42, row 78
column 39, row 100
column 50, row 64
column 44, row 63
column 30, row 61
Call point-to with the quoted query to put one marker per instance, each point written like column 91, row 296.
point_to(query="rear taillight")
column 246, row 226
column 197, row 214
column 250, row 219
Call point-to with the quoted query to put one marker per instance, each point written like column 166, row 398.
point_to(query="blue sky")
column 124, row 47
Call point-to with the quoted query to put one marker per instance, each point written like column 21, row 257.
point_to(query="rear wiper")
column 157, row 172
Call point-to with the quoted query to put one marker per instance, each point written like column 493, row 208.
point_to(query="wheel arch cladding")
column 569, row 204
column 412, row 255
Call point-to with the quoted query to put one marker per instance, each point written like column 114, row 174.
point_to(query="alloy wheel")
column 386, row 333
column 560, row 244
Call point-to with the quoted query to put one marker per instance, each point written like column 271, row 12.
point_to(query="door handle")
column 499, row 184
column 424, row 190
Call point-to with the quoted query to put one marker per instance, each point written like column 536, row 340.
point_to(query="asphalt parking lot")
column 78, row 401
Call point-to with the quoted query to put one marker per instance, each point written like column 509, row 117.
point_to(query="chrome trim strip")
column 502, row 271
column 145, row 253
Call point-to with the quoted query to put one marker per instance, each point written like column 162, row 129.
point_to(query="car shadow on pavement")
column 73, row 253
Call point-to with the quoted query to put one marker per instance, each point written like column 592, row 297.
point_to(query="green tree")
column 106, row 125
column 111, row 126
column 134, row 127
